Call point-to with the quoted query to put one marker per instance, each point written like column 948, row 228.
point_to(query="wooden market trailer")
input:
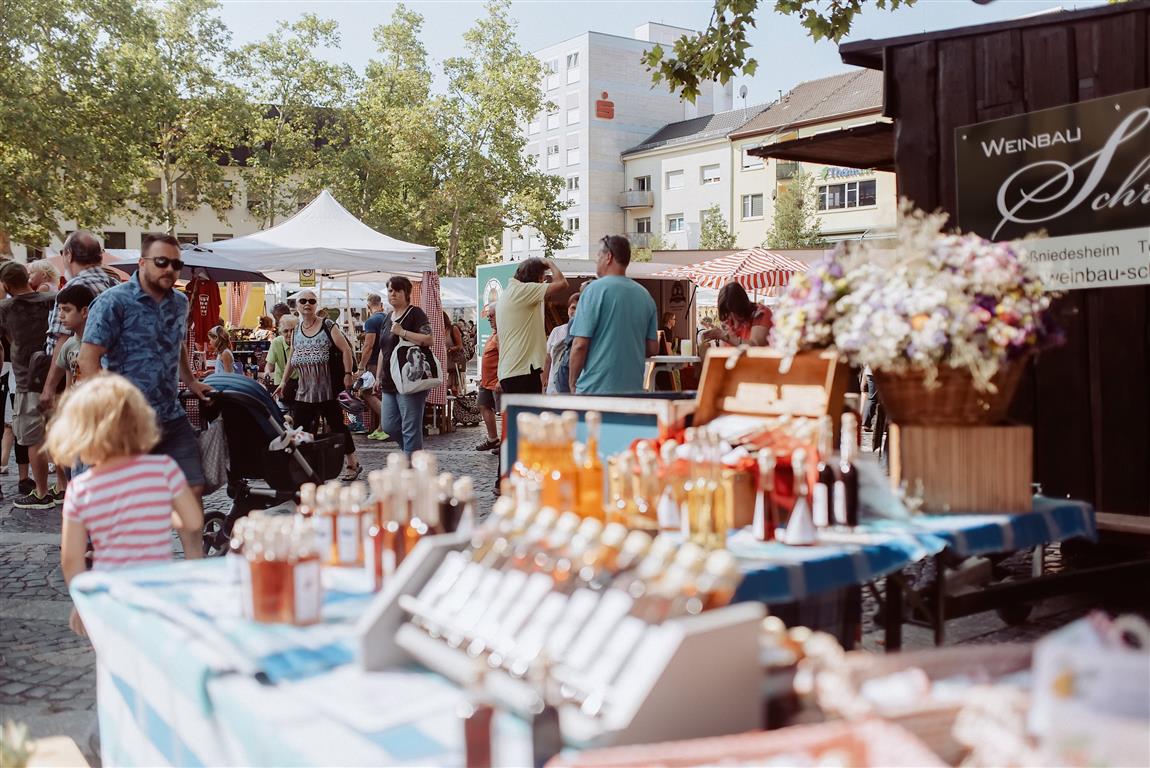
column 1089, row 400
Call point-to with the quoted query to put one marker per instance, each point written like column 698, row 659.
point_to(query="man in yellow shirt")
column 522, row 335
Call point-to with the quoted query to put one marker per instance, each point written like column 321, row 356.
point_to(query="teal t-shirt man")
column 615, row 328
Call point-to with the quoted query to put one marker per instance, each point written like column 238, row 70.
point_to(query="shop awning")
column 755, row 269
column 861, row 146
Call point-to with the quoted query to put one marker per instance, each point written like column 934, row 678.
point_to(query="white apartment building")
column 679, row 173
column 852, row 202
column 201, row 225
column 603, row 103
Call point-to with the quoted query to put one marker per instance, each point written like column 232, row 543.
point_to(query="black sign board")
column 1069, row 170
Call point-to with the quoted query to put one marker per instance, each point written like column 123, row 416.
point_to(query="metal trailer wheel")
column 1014, row 614
column 217, row 534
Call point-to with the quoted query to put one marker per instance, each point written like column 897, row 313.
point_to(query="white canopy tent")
column 325, row 237
column 328, row 239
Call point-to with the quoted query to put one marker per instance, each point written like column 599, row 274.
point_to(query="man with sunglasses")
column 139, row 328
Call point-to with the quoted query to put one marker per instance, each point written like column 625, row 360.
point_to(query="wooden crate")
column 749, row 381
column 964, row 469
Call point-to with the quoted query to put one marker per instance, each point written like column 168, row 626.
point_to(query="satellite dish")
column 742, row 91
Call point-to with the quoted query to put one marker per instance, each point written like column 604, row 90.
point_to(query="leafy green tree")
column 714, row 234
column 720, row 51
column 796, row 223
column 296, row 98
column 74, row 130
column 385, row 172
column 485, row 180
column 656, row 242
column 197, row 116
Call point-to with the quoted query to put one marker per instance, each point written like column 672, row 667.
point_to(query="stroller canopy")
column 233, row 382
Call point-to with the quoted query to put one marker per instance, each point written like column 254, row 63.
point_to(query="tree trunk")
column 5, row 243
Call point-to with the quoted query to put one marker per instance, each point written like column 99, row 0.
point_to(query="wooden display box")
column 964, row 469
column 749, row 381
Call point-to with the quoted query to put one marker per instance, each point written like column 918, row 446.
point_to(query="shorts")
column 179, row 441
column 488, row 399
column 27, row 421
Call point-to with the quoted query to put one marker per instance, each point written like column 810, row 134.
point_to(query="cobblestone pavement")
column 47, row 674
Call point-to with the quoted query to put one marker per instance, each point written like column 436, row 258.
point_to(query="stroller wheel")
column 217, row 534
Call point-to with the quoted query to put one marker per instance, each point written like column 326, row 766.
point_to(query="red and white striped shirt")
column 127, row 510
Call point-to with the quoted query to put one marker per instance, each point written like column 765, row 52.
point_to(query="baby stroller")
column 252, row 420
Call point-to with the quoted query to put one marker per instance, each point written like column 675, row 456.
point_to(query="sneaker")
column 33, row 501
column 378, row 434
column 487, row 445
column 26, row 486
column 56, row 495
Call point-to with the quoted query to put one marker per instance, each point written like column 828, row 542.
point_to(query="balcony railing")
column 644, row 198
column 641, row 239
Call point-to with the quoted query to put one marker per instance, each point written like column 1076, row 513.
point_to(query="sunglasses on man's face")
column 163, row 262
column 306, row 301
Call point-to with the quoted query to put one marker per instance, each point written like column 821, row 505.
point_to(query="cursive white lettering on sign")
column 1064, row 177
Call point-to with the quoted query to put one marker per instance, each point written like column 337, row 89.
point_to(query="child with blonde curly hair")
column 127, row 501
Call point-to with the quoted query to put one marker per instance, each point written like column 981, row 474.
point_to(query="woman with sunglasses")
column 401, row 414
column 316, row 394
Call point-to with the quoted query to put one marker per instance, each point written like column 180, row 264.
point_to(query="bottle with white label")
column 349, row 525
column 846, row 504
column 307, row 588
column 323, row 522
column 800, row 529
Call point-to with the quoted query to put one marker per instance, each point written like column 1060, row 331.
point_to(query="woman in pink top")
column 127, row 500
column 742, row 321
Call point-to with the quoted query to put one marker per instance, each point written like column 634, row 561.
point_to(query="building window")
column 752, row 206
column 189, row 238
column 518, row 243
column 552, row 74
column 218, row 236
column 254, row 201
column 572, row 183
column 642, row 183
column 572, row 115
column 852, row 194
column 573, row 60
column 573, row 156
column 572, row 223
column 115, row 239
column 751, row 162
column 676, row 223
column 643, row 226
column 186, row 193
column 709, row 174
column 674, row 179
column 553, row 121
column 534, row 127
column 552, row 156
column 152, row 187
column 534, row 243
column 786, row 169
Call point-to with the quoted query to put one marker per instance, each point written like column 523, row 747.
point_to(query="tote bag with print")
column 414, row 368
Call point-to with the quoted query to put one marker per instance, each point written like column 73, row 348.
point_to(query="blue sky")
column 787, row 56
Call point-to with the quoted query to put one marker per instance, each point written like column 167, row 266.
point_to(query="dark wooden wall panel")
column 1090, row 399
column 916, row 145
column 956, row 68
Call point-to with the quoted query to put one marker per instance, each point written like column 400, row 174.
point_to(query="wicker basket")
column 954, row 401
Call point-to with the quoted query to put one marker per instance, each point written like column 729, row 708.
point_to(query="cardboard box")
column 964, row 469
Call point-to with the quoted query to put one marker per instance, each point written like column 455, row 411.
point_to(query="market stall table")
column 668, row 363
column 183, row 679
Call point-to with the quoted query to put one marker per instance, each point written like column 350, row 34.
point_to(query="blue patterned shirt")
column 142, row 341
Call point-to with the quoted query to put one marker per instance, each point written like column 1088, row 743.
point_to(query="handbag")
column 334, row 359
column 414, row 368
column 214, row 454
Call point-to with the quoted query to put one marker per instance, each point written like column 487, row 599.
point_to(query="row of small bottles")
column 279, row 566
column 538, row 585
column 376, row 531
column 831, row 500
column 569, row 474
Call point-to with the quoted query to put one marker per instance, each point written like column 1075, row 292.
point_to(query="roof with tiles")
column 827, row 97
column 699, row 128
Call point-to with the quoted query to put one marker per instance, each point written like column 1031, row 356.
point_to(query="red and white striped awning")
column 756, row 269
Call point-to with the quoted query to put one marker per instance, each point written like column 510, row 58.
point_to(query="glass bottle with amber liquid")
column 591, row 471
